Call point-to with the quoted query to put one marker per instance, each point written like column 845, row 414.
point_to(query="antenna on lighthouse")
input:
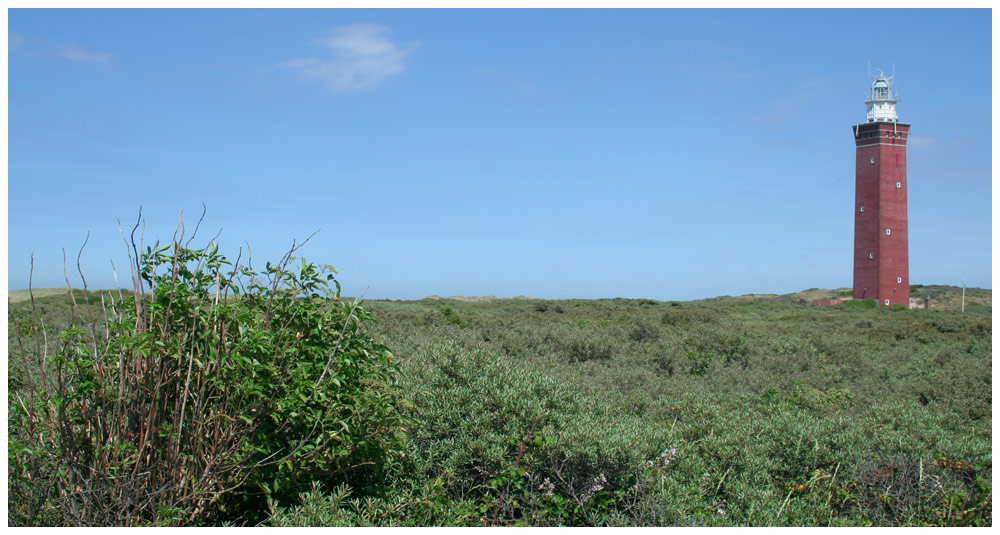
column 895, row 86
column 870, row 77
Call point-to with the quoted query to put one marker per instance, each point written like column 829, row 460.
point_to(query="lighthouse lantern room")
column 882, row 103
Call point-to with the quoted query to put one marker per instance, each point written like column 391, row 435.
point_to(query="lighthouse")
column 881, row 263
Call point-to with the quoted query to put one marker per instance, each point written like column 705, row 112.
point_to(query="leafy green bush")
column 700, row 362
column 644, row 332
column 197, row 399
column 427, row 505
column 681, row 316
column 948, row 324
column 583, row 350
column 452, row 317
column 859, row 303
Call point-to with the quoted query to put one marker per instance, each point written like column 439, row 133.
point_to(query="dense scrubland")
column 282, row 403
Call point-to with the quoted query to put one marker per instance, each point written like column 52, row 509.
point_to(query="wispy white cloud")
column 723, row 70
column 922, row 141
column 519, row 86
column 930, row 141
column 797, row 102
column 75, row 52
column 818, row 84
column 712, row 46
column 362, row 56
column 49, row 50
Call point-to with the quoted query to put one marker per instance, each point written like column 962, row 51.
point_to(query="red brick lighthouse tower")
column 881, row 264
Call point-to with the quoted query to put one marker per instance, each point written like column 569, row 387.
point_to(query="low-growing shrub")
column 938, row 492
column 452, row 317
column 701, row 361
column 859, row 303
column 687, row 316
column 665, row 363
column 583, row 350
column 644, row 332
column 948, row 324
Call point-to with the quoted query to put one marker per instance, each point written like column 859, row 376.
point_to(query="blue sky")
column 666, row 154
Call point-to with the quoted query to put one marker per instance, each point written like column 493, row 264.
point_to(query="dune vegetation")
column 216, row 394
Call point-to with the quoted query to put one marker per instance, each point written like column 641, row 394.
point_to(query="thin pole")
column 963, row 294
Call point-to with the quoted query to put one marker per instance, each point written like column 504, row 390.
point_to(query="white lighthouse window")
column 873, row 160
column 887, row 302
column 871, row 256
column 862, row 208
column 887, row 231
column 899, row 280
column 899, row 185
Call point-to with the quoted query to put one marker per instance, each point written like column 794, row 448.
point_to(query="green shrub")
column 644, row 332
column 452, row 317
column 197, row 399
column 426, row 505
column 859, row 303
column 947, row 323
column 711, row 343
column 701, row 362
column 584, row 350
column 689, row 316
